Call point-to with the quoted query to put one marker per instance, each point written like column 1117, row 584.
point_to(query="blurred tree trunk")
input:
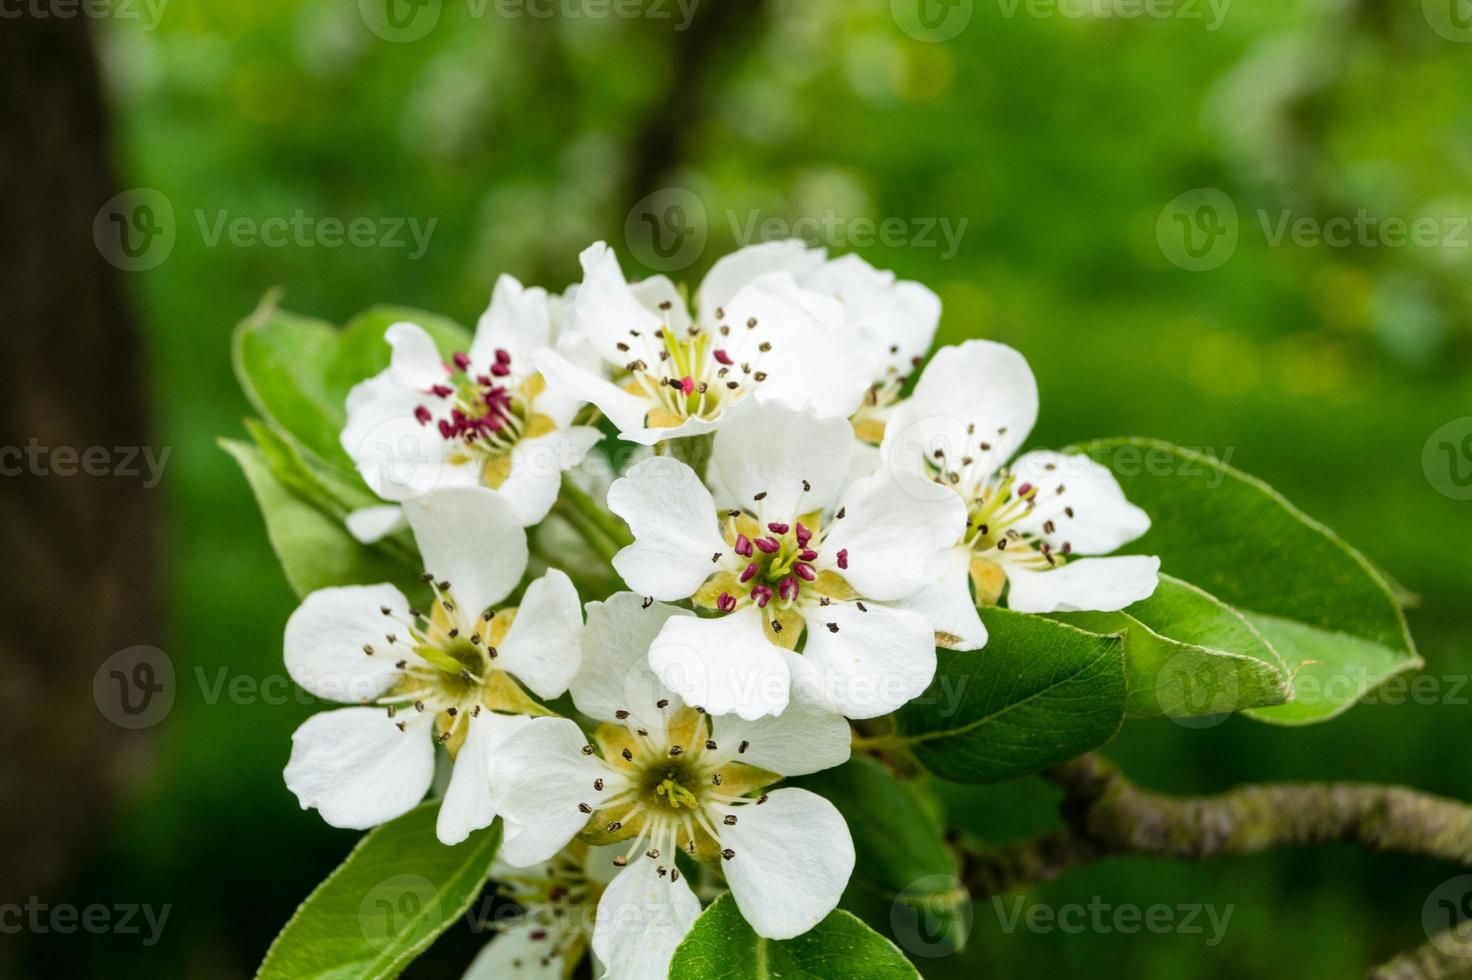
column 81, row 550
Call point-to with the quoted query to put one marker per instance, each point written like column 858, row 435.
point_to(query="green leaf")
column 362, row 352
column 905, row 863
column 1330, row 614
column 1041, row 692
column 398, row 890
column 282, row 361
column 722, row 946
column 1189, row 655
column 898, row 837
column 315, row 549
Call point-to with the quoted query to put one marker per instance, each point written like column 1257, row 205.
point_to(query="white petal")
column 357, row 768
column 878, row 660
column 732, row 272
column 1091, row 513
column 807, row 737
column 625, row 410
column 544, row 646
column 326, row 636
column 536, row 470
column 896, row 319
column 793, row 859
column 947, row 604
column 657, row 290
column 605, row 309
column 803, row 329
column 642, row 917
column 370, row 524
column 896, row 530
column 398, row 456
column 469, row 537
column 415, row 362
column 673, row 519
column 538, row 778
column 615, row 674
column 771, row 449
column 467, row 804
column 517, row 321
column 1086, row 584
column 978, row 394
column 724, row 665
column 515, row 955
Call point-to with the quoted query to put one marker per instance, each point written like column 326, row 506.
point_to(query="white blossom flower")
column 457, row 674
column 550, row 932
column 1026, row 521
column 680, row 376
column 888, row 323
column 800, row 554
column 666, row 781
column 484, row 419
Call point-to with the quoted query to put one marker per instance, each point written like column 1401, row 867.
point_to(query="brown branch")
column 1106, row 816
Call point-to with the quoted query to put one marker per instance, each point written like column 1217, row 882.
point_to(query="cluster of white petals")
column 813, row 521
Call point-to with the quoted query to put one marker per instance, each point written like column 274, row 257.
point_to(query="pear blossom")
column 662, row 780
column 457, row 674
column 552, row 930
column 888, row 323
column 678, row 375
column 1026, row 522
column 803, row 555
column 485, row 418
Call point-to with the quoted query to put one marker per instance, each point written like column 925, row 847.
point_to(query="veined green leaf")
column 1189, row 655
column 1041, row 692
column 721, row 946
column 1330, row 614
column 315, row 549
column 395, row 893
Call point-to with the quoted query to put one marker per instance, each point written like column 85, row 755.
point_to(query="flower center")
column 446, row 665
column 669, row 790
column 483, row 411
column 693, row 374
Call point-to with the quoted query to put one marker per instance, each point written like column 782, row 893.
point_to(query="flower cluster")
column 818, row 514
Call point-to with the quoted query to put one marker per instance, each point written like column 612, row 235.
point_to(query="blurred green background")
column 1053, row 141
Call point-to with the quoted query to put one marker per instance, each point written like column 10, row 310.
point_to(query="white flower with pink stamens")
column 485, row 418
column 756, row 335
column 457, row 674
column 799, row 558
column 664, row 781
column 1027, row 521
